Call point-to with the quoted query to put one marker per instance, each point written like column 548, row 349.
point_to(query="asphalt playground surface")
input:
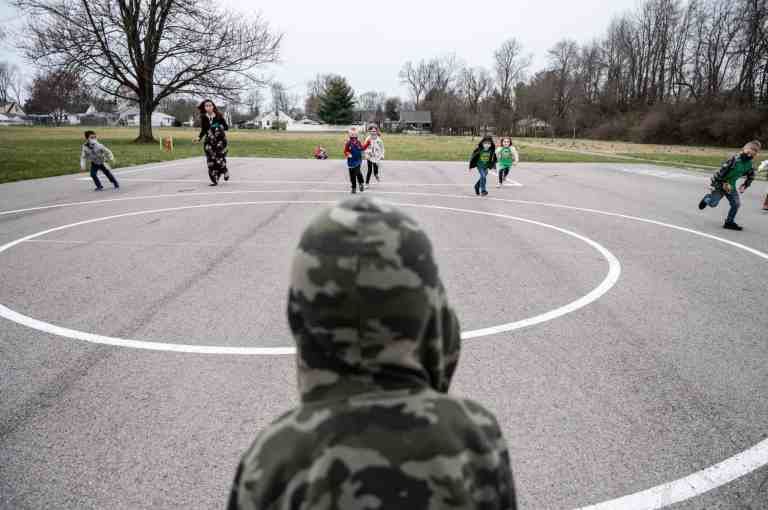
column 653, row 390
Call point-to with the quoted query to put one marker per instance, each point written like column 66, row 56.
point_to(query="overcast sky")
column 367, row 42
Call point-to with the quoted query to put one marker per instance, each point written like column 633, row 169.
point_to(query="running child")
column 484, row 159
column 354, row 151
column 507, row 156
column 374, row 153
column 97, row 155
column 723, row 183
column 213, row 128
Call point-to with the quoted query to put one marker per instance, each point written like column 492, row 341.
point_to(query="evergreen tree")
column 337, row 102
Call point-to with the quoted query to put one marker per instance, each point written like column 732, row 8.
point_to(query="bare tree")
column 510, row 66
column 563, row 61
column 253, row 101
column 371, row 101
column 315, row 90
column 145, row 51
column 281, row 100
column 8, row 74
column 417, row 78
column 475, row 83
column 442, row 75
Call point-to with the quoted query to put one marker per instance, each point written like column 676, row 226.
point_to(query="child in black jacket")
column 484, row 159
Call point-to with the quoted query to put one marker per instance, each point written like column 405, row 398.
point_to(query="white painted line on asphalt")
column 654, row 498
column 614, row 271
column 692, row 485
column 508, row 182
column 211, row 193
column 329, row 183
column 144, row 168
column 665, row 174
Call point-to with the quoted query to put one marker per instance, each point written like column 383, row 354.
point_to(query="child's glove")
column 727, row 187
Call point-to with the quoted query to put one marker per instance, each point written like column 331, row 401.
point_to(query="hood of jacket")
column 366, row 305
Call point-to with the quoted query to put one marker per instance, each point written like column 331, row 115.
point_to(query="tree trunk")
column 145, row 122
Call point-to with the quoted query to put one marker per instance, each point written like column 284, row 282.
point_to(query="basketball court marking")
column 614, row 272
column 654, row 498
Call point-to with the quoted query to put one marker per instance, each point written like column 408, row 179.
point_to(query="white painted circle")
column 654, row 498
column 614, row 271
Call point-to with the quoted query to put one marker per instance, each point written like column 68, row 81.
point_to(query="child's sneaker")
column 117, row 188
column 702, row 204
column 98, row 188
column 377, row 178
column 730, row 225
column 354, row 190
column 226, row 175
column 485, row 193
column 362, row 188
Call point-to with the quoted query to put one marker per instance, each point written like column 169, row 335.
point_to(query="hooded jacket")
column 377, row 347
column 735, row 167
column 206, row 123
column 375, row 150
column 476, row 154
column 354, row 151
column 95, row 153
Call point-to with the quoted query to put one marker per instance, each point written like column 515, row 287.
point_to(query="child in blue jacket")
column 353, row 151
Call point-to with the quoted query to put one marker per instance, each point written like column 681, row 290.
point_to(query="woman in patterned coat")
column 213, row 129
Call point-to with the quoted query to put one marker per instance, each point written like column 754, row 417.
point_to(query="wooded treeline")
column 670, row 71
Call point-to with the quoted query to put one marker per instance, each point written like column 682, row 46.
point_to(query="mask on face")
column 92, row 141
column 486, row 146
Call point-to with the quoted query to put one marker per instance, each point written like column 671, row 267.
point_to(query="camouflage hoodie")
column 377, row 347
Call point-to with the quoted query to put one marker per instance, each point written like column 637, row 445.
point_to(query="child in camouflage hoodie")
column 377, row 347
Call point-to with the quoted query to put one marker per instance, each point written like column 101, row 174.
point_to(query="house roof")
column 12, row 108
column 282, row 116
column 419, row 117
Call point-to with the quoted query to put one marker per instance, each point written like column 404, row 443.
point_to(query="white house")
column 5, row 120
column 11, row 109
column 63, row 117
column 267, row 120
column 130, row 117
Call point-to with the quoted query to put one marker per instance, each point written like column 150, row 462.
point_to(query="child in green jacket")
column 723, row 183
column 507, row 156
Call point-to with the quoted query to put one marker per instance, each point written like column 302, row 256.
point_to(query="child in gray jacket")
column 98, row 155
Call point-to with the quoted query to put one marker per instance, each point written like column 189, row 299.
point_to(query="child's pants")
column 733, row 198
column 765, row 204
column 95, row 167
column 355, row 177
column 372, row 168
column 480, row 185
column 503, row 173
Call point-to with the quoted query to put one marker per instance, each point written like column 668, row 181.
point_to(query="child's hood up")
column 367, row 307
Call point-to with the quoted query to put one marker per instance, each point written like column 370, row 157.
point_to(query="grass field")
column 676, row 155
column 29, row 153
